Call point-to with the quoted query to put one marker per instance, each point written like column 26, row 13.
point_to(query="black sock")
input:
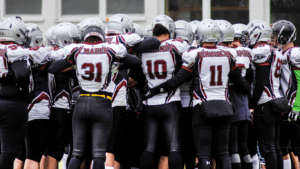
column 147, row 160
column 175, row 161
column 98, row 163
column 225, row 163
column 204, row 163
column 236, row 166
column 75, row 163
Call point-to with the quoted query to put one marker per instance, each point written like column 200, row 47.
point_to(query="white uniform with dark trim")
column 93, row 64
column 211, row 72
column 160, row 65
column 119, row 86
column 288, row 83
column 262, row 56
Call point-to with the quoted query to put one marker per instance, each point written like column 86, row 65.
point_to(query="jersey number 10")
column 90, row 72
column 157, row 74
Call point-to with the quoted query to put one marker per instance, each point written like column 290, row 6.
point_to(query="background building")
column 47, row 13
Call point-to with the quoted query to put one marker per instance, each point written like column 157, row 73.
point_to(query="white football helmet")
column 35, row 34
column 167, row 22
column 208, row 31
column 259, row 31
column 48, row 36
column 184, row 31
column 138, row 30
column 13, row 29
column 149, row 31
column 227, row 31
column 194, row 25
column 65, row 33
column 119, row 24
column 91, row 22
column 240, row 31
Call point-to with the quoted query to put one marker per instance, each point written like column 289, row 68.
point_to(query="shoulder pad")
column 130, row 39
column 295, row 57
column 261, row 54
column 16, row 53
column 57, row 53
column 179, row 45
column 40, row 55
column 189, row 58
column 118, row 50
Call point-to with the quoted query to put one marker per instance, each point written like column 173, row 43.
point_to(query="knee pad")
column 235, row 158
column 99, row 155
column 247, row 159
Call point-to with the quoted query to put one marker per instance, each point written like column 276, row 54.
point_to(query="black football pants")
column 267, row 127
column 13, row 127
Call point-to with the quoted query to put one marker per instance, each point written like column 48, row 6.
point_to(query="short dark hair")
column 160, row 30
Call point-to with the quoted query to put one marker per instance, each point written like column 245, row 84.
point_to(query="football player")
column 63, row 34
column 39, row 97
column 93, row 60
column 138, row 30
column 119, row 31
column 163, row 110
column 285, row 34
column 267, row 102
column 184, row 31
column 149, row 31
column 239, row 123
column 194, row 25
column 211, row 68
column 14, row 89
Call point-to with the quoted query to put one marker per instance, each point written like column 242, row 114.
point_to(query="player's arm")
column 235, row 76
column 296, row 106
column 129, row 61
column 145, row 45
column 62, row 64
column 22, row 74
column 262, row 73
column 182, row 76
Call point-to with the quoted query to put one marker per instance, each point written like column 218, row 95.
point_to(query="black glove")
column 150, row 92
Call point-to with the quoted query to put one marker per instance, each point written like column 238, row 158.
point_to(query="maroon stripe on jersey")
column 240, row 65
column 119, row 86
column 295, row 68
column 271, row 78
column 197, row 97
column 75, row 89
column 61, row 95
column 200, row 82
column 267, row 92
column 5, row 62
column 42, row 96
column 172, row 94
column 112, row 50
column 190, row 70
column 232, row 69
column 173, row 57
column 263, row 64
column 44, row 66
column 122, row 38
column 210, row 47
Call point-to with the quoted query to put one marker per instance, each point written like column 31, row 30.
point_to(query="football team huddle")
column 201, row 94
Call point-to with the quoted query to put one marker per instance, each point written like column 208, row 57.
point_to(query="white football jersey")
column 9, row 54
column 243, row 59
column 39, row 108
column 210, row 80
column 93, row 64
column 261, row 55
column 288, row 82
column 231, row 50
column 160, row 65
column 119, row 87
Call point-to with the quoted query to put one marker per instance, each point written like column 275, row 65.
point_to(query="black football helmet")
column 285, row 31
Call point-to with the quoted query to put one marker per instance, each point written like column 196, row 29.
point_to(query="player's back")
column 93, row 64
column 160, row 65
column 212, row 66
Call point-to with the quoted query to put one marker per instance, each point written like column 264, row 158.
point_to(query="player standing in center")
column 163, row 110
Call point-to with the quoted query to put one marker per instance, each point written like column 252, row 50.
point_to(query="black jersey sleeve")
column 22, row 74
column 262, row 73
column 130, row 61
column 59, row 66
column 146, row 45
column 239, row 82
column 180, row 77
